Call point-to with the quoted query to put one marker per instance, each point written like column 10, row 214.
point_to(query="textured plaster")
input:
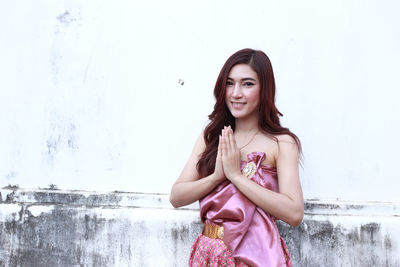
column 75, row 228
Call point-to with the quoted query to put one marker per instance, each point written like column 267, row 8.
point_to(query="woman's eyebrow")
column 244, row 79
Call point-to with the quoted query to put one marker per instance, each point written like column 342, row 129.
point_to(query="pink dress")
column 251, row 236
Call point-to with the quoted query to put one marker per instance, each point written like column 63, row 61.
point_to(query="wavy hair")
column 269, row 115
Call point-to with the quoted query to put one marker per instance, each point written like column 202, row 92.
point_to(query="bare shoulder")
column 277, row 139
column 287, row 145
column 273, row 146
column 285, row 138
column 200, row 144
column 189, row 172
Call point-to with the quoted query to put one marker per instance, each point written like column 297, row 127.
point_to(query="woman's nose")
column 237, row 91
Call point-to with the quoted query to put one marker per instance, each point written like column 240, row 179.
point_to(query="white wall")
column 90, row 99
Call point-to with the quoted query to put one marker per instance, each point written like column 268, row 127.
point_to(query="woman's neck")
column 246, row 125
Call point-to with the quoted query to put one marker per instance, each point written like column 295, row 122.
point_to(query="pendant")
column 249, row 170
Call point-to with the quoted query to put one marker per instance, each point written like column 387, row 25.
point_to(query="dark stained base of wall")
column 59, row 228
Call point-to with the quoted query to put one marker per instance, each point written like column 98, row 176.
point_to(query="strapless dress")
column 250, row 235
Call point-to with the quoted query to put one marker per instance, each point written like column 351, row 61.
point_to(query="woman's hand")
column 230, row 155
column 219, row 174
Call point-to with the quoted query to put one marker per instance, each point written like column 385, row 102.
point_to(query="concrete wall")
column 77, row 228
column 110, row 95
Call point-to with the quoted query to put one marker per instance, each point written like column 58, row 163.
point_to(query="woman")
column 244, row 170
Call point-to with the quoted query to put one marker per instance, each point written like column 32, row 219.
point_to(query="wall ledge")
column 312, row 207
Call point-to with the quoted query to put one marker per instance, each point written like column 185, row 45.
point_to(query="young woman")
column 244, row 171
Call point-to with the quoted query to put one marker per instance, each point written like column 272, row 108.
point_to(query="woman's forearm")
column 278, row 205
column 186, row 192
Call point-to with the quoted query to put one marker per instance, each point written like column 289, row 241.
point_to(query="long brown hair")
column 268, row 113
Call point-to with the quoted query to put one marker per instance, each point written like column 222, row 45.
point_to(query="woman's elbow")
column 173, row 198
column 174, row 201
column 176, row 198
column 296, row 218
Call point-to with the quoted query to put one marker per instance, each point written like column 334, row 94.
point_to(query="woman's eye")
column 248, row 84
column 228, row 83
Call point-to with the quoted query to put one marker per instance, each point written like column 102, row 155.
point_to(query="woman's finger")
column 228, row 142
column 224, row 139
column 234, row 145
column 231, row 140
column 223, row 145
column 219, row 148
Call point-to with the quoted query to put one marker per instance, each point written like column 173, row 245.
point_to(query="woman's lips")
column 238, row 105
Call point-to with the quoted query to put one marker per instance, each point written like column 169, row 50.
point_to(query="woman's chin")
column 242, row 115
column 238, row 115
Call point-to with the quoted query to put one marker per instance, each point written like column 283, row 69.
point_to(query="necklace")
column 251, row 139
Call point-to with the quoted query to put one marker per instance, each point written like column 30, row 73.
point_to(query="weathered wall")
column 67, row 228
column 111, row 95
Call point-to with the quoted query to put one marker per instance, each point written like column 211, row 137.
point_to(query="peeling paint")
column 108, row 214
column 38, row 210
column 4, row 193
column 9, row 211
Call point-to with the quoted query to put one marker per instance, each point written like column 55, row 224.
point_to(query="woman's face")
column 242, row 91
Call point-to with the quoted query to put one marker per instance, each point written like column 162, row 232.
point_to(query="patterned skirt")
column 212, row 252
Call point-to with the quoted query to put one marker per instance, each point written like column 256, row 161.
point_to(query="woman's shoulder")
column 276, row 139
column 285, row 138
column 274, row 145
column 200, row 144
column 287, row 147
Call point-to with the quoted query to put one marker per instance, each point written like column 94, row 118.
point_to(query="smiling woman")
column 242, row 91
column 243, row 170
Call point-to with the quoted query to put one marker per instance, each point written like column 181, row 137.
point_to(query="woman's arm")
column 287, row 205
column 189, row 188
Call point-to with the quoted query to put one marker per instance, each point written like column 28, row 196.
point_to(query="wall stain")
column 50, row 239
column 370, row 233
column 11, row 175
column 66, row 18
column 12, row 187
column 62, row 136
column 388, row 242
column 337, row 245
column 52, row 144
